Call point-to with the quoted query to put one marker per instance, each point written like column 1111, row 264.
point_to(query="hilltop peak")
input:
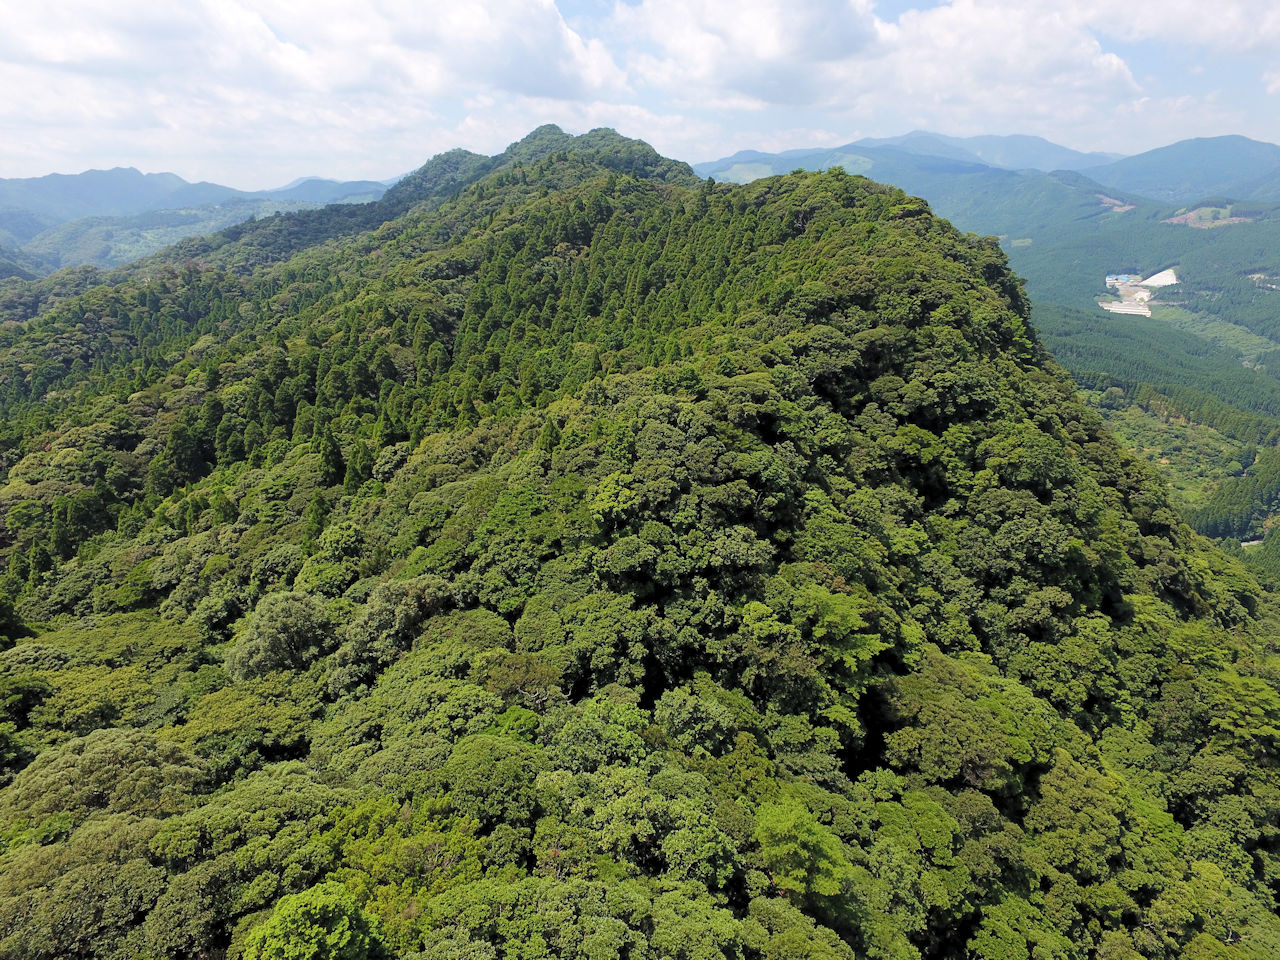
column 542, row 132
column 603, row 146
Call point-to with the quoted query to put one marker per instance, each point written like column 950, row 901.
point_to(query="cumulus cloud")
column 256, row 93
column 1058, row 68
column 983, row 64
column 1227, row 25
column 766, row 52
column 220, row 85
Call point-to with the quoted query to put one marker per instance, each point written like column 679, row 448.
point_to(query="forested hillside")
column 593, row 562
column 1195, row 386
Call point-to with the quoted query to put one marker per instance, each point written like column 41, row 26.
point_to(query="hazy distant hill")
column 107, row 217
column 121, row 191
column 1191, row 170
column 1010, row 153
column 60, row 197
column 112, row 241
column 24, row 266
column 320, row 190
column 875, row 162
column 18, row 225
column 1017, row 152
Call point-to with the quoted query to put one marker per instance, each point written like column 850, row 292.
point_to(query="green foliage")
column 285, row 631
column 1205, row 359
column 332, row 466
column 589, row 563
column 801, row 857
column 323, row 923
column 114, row 771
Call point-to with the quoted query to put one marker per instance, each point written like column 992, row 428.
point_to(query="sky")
column 256, row 94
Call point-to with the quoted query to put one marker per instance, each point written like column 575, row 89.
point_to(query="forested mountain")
column 1064, row 231
column 589, row 561
column 14, row 263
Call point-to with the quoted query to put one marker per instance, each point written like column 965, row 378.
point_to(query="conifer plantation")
column 566, row 557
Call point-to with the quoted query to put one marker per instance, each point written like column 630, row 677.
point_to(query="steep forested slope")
column 1203, row 366
column 591, row 564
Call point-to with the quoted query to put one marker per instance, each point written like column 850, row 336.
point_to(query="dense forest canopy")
column 589, row 561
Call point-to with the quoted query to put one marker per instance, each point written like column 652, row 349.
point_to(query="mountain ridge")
column 1013, row 152
column 34, row 212
column 1196, row 169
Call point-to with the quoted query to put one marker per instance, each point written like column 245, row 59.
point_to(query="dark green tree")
column 332, row 467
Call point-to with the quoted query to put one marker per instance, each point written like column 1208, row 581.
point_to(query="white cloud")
column 256, row 92
column 762, row 52
column 1234, row 26
column 963, row 66
column 977, row 65
column 966, row 66
column 1056, row 68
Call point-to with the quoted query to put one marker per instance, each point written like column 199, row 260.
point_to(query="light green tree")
column 322, row 923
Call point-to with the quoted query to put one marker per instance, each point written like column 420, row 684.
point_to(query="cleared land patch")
column 1205, row 218
column 1135, row 294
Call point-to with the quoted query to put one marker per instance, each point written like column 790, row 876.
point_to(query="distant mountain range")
column 108, row 217
column 860, row 156
column 1236, row 168
column 1011, row 152
column 1189, row 171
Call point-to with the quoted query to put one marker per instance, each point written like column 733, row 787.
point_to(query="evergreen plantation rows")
column 593, row 562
